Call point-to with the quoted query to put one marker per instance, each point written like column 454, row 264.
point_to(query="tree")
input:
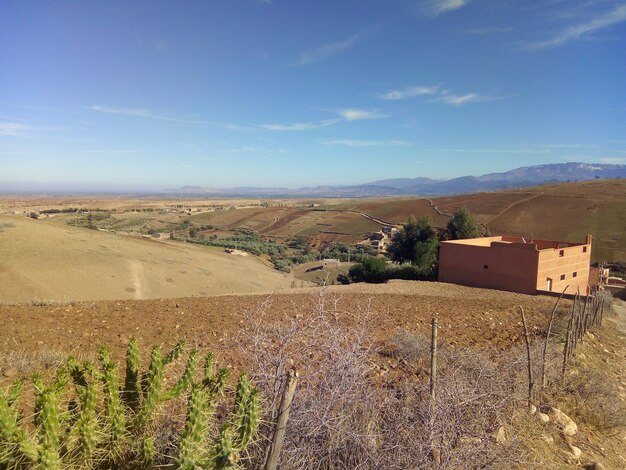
column 416, row 243
column 461, row 226
column 371, row 269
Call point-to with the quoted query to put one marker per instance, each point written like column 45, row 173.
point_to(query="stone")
column 567, row 425
column 500, row 435
column 11, row 372
column 533, row 409
column 576, row 452
column 596, row 466
column 544, row 418
column 548, row 439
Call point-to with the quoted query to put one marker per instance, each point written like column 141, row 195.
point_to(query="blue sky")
column 161, row 94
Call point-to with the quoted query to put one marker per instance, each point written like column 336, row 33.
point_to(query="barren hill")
column 41, row 261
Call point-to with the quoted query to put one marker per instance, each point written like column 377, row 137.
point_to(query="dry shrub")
column 410, row 346
column 28, row 362
column 592, row 398
column 345, row 415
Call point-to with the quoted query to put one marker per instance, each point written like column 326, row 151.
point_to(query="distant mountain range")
column 517, row 178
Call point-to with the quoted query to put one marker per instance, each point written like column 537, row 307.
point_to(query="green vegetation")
column 416, row 243
column 81, row 430
column 461, row 226
column 283, row 256
column 416, row 249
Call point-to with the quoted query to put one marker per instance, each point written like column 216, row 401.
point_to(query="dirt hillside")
column 40, row 261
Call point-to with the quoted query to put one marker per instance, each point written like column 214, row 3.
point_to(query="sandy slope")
column 44, row 261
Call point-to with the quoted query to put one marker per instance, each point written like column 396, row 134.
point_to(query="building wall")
column 493, row 263
column 503, row 266
column 553, row 265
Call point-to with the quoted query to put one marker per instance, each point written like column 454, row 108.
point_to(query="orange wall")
column 516, row 267
column 552, row 265
column 511, row 267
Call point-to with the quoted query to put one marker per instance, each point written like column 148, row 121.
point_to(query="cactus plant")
column 100, row 425
column 114, row 412
column 131, row 381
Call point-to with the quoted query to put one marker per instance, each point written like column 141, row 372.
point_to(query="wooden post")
column 545, row 346
column 583, row 322
column 435, row 452
column 567, row 344
column 281, row 423
column 531, row 383
column 433, row 360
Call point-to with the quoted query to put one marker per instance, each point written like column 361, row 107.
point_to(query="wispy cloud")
column 14, row 129
column 144, row 113
column 437, row 7
column 367, row 143
column 359, row 114
column 512, row 151
column 18, row 129
column 111, row 151
column 301, row 126
column 242, row 149
column 582, row 30
column 460, row 100
column 409, row 92
column 613, row 160
column 489, row 30
column 345, row 115
column 328, row 50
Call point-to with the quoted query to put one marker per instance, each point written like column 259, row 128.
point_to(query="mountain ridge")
column 423, row 186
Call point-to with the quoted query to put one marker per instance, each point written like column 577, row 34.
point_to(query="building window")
column 486, row 266
column 562, row 253
column 562, row 277
column 584, row 249
column 574, row 274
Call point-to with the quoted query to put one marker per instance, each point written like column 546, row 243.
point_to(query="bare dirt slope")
column 467, row 317
column 54, row 262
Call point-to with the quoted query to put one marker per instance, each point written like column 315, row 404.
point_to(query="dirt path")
column 374, row 219
column 513, row 204
column 619, row 307
column 138, row 276
column 436, row 209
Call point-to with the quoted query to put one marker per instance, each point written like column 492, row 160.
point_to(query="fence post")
column 433, row 361
column 281, row 423
column 435, row 452
column 545, row 346
column 531, row 383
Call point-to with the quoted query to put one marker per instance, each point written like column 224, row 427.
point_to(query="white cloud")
column 582, row 30
column 367, row 143
column 328, row 50
column 489, row 30
column 409, row 92
column 346, row 115
column 459, row 100
column 302, row 126
column 358, row 114
column 144, row 113
column 17, row 129
column 437, row 7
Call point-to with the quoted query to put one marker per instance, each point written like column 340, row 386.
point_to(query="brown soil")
column 467, row 317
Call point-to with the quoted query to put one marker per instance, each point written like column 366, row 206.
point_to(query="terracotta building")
column 516, row 264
